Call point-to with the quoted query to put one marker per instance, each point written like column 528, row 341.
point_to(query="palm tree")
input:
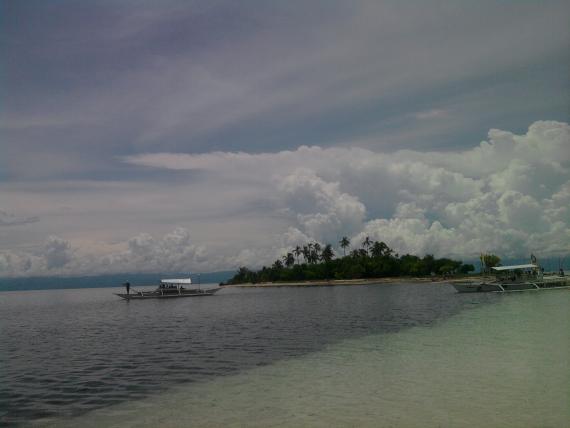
column 488, row 261
column 297, row 251
column 344, row 243
column 317, row 249
column 306, row 252
column 327, row 254
column 313, row 257
column 379, row 249
column 367, row 243
column 355, row 254
column 314, row 249
column 289, row 260
column 243, row 275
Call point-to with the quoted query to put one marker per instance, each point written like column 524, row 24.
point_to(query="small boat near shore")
column 515, row 278
column 169, row 289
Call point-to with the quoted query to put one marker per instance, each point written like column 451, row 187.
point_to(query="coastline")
column 362, row 281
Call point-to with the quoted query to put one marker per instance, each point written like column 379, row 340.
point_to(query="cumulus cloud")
column 508, row 195
column 322, row 210
column 57, row 252
column 543, row 148
column 172, row 252
column 52, row 257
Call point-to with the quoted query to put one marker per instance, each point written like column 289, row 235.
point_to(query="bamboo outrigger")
column 168, row 289
column 516, row 278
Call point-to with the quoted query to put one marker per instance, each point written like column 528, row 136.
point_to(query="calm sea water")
column 390, row 355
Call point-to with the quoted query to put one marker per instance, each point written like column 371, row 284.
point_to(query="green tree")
column 379, row 249
column 447, row 269
column 313, row 256
column 376, row 261
column 344, row 244
column 297, row 251
column 306, row 252
column 289, row 259
column 367, row 243
column 465, row 269
column 316, row 251
column 356, row 270
column 489, row 261
column 358, row 253
column 429, row 263
column 327, row 254
column 243, row 275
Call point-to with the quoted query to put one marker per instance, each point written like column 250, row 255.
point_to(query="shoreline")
column 363, row 281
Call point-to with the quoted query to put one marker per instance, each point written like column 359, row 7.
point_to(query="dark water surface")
column 66, row 352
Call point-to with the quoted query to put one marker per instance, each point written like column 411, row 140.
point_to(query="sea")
column 390, row 355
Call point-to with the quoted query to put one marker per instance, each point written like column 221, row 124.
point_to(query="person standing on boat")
column 128, row 286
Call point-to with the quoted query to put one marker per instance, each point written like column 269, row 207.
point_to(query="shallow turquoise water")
column 505, row 364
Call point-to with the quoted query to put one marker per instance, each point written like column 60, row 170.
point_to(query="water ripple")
column 65, row 352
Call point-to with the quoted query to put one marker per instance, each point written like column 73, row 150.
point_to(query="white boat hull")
column 170, row 294
column 546, row 283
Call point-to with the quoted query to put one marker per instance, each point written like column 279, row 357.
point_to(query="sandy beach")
column 363, row 281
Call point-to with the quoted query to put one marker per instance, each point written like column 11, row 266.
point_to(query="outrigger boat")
column 516, row 278
column 167, row 289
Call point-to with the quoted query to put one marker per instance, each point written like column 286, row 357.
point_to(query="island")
column 314, row 264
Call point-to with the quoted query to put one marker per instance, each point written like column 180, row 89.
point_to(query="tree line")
column 373, row 259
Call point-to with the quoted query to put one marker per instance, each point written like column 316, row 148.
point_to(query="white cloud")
column 506, row 195
column 544, row 146
column 521, row 212
column 509, row 195
column 322, row 210
column 174, row 252
column 557, row 208
column 57, row 252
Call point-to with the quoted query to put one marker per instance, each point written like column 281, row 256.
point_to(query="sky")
column 140, row 136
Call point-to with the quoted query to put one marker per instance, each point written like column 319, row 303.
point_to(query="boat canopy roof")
column 515, row 267
column 176, row 281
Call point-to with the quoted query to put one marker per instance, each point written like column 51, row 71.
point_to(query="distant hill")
column 102, row 281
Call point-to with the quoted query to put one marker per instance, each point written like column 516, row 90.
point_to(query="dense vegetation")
column 372, row 260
